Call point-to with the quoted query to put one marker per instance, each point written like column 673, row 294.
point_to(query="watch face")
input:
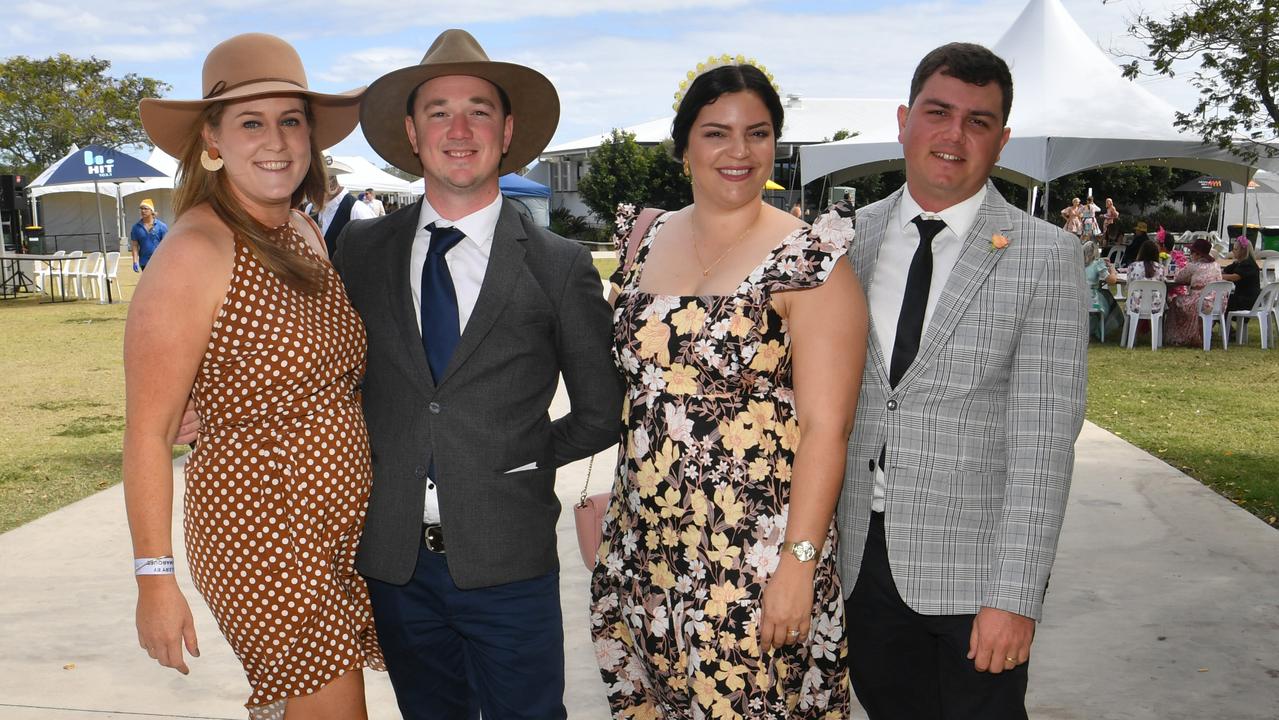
column 803, row 551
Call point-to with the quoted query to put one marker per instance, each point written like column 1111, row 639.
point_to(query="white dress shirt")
column 888, row 284
column 331, row 209
column 468, row 260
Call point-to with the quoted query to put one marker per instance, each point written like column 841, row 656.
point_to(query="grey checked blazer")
column 980, row 430
column 540, row 313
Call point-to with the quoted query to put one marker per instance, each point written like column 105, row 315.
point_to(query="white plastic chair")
column 89, row 269
column 1212, row 307
column 1145, row 302
column 1115, row 254
column 1270, row 270
column 108, row 277
column 1263, row 310
column 66, row 270
column 40, row 275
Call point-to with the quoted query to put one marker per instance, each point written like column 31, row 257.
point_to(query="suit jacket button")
column 434, row 408
column 420, row 471
column 871, row 465
column 892, row 404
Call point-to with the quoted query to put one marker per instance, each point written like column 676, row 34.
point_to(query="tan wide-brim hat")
column 247, row 66
column 534, row 103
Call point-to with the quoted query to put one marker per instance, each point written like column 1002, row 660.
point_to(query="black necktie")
column 440, row 328
column 910, row 323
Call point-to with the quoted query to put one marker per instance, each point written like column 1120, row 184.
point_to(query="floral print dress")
column 699, row 505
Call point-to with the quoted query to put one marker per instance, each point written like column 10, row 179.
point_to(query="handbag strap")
column 590, row 466
column 643, row 222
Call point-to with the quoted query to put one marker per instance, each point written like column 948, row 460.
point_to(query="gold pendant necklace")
column 706, row 269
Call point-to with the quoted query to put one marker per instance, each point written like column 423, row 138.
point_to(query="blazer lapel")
column 403, row 314
column 974, row 264
column 506, row 259
column 873, row 226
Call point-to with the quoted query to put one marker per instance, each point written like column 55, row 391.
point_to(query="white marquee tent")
column 70, row 217
column 1072, row 110
column 364, row 175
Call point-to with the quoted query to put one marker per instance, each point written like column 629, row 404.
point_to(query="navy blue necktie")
column 440, row 328
column 910, row 323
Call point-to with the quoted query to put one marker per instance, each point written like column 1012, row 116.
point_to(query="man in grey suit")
column 960, row 459
column 472, row 313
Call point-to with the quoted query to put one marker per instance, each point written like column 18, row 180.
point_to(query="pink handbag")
column 588, row 513
column 588, row 516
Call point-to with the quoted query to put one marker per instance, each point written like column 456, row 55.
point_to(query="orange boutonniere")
column 998, row 242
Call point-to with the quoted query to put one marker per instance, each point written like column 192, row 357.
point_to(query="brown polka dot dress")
column 277, row 487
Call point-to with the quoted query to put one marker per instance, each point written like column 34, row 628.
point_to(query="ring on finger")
column 792, row 633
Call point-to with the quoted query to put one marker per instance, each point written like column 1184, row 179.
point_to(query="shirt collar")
column 959, row 218
column 479, row 226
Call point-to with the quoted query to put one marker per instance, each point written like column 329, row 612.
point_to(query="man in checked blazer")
column 473, row 313
column 961, row 455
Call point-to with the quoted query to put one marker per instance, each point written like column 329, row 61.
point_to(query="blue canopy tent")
column 99, row 164
column 534, row 197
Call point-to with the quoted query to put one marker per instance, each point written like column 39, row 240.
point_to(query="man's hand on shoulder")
column 1000, row 640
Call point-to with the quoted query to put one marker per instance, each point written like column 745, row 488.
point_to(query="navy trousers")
column 908, row 666
column 454, row 653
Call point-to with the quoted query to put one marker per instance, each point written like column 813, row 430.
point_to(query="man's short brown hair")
column 969, row 62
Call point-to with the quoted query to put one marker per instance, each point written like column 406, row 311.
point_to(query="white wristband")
column 153, row 566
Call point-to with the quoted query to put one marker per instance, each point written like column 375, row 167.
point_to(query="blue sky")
column 614, row 62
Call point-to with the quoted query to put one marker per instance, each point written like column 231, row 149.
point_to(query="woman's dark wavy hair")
column 709, row 86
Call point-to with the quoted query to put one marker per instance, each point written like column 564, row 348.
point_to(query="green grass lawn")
column 1213, row 415
column 62, row 418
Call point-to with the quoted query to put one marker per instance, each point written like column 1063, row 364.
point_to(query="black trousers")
column 908, row 666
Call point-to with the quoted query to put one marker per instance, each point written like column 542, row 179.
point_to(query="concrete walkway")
column 1164, row 605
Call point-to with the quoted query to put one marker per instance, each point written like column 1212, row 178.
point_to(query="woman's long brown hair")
column 196, row 185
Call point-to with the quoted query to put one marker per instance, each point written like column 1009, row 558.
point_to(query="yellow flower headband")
column 713, row 62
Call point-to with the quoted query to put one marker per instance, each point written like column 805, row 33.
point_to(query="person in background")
column 1182, row 325
column 146, row 235
column 1135, row 243
column 741, row 333
column 340, row 207
column 1109, row 226
column 270, row 351
column 1073, row 216
column 1101, row 277
column 1088, row 215
column 371, row 200
column 1245, row 274
column 797, row 211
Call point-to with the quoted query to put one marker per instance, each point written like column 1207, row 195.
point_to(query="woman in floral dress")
column 741, row 333
column 1182, row 326
column 1074, row 217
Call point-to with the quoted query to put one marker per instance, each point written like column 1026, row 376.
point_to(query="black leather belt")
column 433, row 538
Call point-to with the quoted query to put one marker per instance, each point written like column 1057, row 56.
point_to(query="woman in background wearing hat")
column 146, row 235
column 1182, row 326
column 268, row 348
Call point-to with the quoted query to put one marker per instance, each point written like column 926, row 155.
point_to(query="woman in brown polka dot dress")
column 244, row 314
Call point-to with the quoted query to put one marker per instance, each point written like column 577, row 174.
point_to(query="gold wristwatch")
column 802, row 550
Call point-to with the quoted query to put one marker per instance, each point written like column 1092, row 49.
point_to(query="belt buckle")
column 433, row 538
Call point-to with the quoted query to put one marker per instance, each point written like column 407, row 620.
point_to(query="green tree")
column 668, row 187
column 618, row 173
column 46, row 105
column 1237, row 45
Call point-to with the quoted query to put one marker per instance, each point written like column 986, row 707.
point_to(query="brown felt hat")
column 246, row 66
column 534, row 103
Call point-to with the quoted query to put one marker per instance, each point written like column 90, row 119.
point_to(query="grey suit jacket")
column 980, row 430
column 540, row 313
